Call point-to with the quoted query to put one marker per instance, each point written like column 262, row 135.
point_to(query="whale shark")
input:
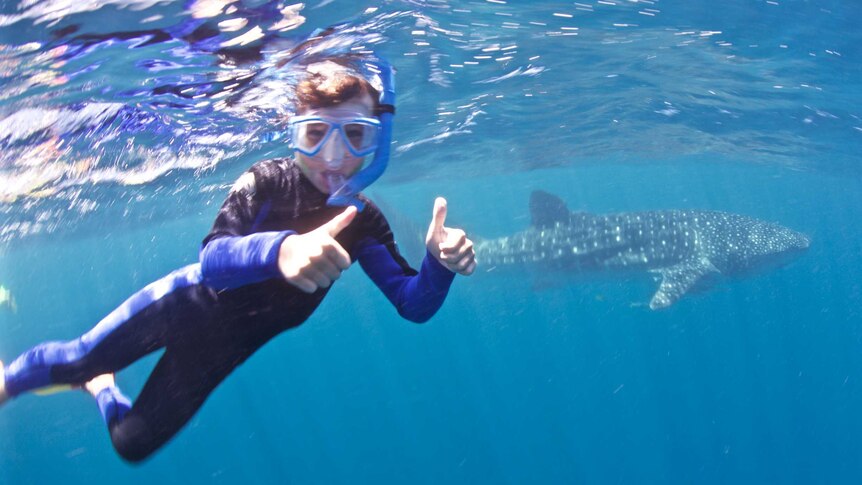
column 683, row 248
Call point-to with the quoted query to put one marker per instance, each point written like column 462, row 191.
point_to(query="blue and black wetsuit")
column 210, row 317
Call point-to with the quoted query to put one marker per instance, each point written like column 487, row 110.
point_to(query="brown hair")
column 330, row 83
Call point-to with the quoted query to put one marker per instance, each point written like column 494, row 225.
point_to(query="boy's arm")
column 416, row 296
column 234, row 254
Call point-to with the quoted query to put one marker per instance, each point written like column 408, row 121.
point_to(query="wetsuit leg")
column 178, row 386
column 136, row 328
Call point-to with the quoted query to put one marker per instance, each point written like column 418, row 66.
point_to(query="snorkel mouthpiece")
column 335, row 182
column 347, row 193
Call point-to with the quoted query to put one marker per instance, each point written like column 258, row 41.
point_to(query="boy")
column 275, row 248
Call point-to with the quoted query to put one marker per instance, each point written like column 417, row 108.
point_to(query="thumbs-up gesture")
column 449, row 246
column 315, row 259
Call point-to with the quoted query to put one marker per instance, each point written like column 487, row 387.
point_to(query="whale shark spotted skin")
column 682, row 246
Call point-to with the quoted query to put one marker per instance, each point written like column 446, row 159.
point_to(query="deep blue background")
column 756, row 381
column 526, row 378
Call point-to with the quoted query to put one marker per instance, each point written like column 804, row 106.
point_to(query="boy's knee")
column 133, row 440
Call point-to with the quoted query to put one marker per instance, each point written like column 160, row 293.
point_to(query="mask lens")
column 360, row 136
column 311, row 134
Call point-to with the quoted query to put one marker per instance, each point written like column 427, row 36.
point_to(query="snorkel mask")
column 334, row 138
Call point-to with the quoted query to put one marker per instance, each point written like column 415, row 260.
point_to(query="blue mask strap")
column 347, row 194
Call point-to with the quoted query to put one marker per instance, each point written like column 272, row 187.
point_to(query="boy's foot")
column 95, row 385
column 3, row 396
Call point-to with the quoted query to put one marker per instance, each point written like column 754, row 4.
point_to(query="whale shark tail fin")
column 676, row 280
column 547, row 209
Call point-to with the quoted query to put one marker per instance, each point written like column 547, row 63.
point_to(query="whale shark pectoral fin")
column 678, row 279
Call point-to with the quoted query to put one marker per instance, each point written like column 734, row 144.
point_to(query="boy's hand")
column 315, row 259
column 449, row 246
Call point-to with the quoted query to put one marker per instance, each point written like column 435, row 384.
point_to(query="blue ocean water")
column 121, row 133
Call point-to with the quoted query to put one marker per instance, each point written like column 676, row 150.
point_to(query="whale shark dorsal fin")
column 547, row 209
column 676, row 280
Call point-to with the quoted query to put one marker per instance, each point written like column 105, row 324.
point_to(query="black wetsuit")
column 210, row 317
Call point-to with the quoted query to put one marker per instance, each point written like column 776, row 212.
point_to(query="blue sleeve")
column 417, row 297
column 236, row 252
column 234, row 261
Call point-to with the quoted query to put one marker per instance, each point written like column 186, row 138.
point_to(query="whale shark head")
column 758, row 246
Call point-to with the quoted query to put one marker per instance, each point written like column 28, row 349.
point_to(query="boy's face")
column 334, row 159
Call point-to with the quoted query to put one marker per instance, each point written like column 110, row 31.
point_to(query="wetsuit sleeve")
column 416, row 296
column 234, row 254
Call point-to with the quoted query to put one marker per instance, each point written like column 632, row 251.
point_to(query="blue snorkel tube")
column 347, row 193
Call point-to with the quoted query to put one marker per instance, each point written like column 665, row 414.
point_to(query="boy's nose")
column 333, row 152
